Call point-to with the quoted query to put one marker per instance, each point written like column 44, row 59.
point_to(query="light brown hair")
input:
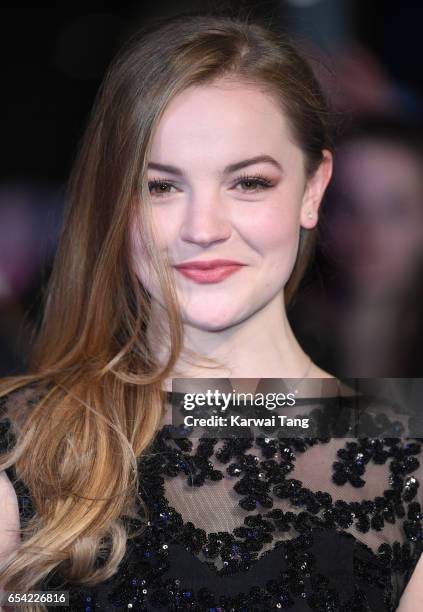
column 77, row 446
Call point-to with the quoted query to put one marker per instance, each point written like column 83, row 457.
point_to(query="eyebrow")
column 228, row 170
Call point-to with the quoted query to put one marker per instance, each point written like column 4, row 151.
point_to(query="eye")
column 254, row 183
column 159, row 187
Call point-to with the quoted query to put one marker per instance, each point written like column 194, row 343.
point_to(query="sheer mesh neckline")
column 247, row 497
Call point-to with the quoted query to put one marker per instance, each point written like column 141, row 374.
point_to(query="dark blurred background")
column 359, row 310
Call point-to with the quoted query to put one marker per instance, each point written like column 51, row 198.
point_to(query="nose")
column 206, row 220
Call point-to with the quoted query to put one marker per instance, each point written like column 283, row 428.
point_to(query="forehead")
column 219, row 122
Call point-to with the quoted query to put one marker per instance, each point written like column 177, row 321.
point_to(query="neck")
column 262, row 346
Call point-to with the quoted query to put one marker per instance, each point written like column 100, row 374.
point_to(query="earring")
column 310, row 214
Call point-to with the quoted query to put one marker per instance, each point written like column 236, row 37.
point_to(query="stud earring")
column 310, row 214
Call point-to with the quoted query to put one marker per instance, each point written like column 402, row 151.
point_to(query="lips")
column 207, row 265
column 212, row 271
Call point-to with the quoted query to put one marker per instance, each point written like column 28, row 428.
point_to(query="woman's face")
column 227, row 183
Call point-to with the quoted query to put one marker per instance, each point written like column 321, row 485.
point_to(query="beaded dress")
column 264, row 523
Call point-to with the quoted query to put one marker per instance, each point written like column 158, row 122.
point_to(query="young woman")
column 191, row 216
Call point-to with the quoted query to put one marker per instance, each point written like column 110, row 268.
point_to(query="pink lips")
column 212, row 271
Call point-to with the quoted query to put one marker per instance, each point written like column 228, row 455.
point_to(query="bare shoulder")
column 9, row 516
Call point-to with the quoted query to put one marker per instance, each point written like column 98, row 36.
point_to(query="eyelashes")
column 258, row 181
column 158, row 184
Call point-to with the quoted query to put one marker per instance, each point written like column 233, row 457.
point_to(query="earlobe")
column 315, row 189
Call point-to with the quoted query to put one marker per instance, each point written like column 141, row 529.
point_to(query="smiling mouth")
column 208, row 272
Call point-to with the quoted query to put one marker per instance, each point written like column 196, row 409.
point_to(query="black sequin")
column 174, row 565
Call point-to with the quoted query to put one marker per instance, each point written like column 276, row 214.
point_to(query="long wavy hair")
column 101, row 397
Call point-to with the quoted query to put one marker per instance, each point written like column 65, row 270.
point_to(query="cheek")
column 274, row 230
column 165, row 231
column 165, row 228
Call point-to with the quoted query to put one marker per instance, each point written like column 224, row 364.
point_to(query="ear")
column 314, row 191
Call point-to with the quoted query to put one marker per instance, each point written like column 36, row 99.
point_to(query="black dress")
column 264, row 523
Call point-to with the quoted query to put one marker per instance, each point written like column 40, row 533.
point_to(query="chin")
column 211, row 321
